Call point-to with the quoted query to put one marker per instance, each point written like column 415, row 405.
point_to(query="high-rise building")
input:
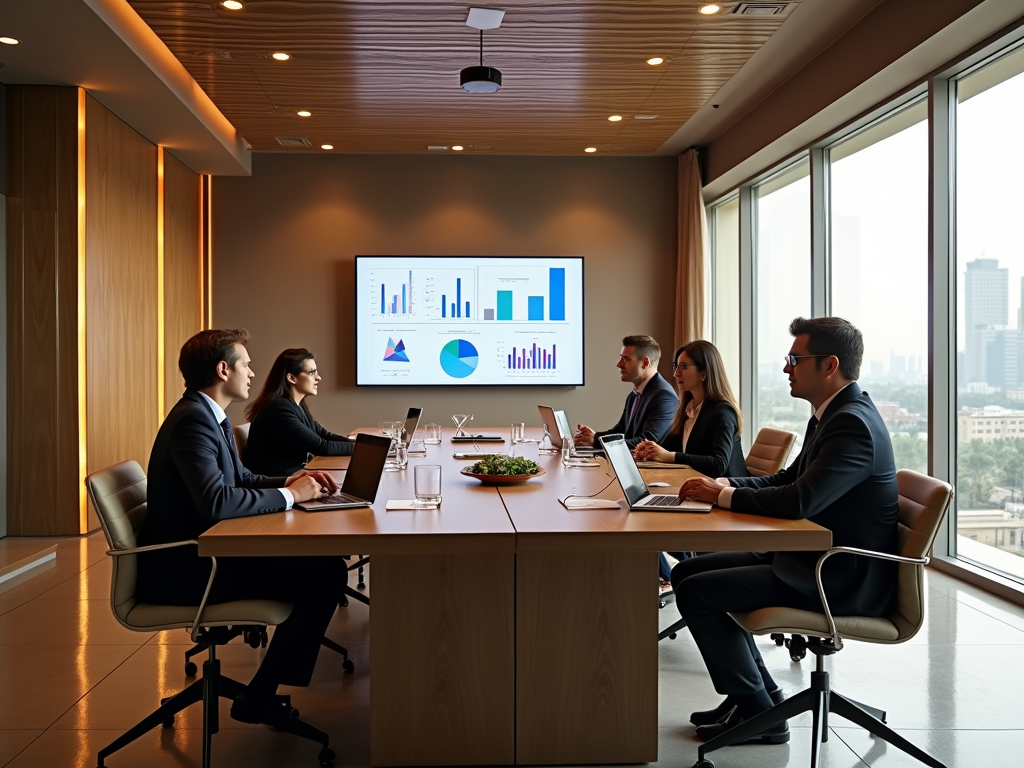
column 986, row 308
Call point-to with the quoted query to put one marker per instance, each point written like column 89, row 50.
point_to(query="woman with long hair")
column 282, row 432
column 705, row 433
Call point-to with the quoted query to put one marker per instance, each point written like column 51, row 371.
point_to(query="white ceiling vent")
column 293, row 141
column 762, row 9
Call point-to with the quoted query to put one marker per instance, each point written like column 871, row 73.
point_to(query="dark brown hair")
column 832, row 336
column 716, row 384
column 645, row 346
column 201, row 355
column 276, row 386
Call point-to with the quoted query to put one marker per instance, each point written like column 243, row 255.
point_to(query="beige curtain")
column 692, row 228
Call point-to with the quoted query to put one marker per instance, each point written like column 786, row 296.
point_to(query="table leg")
column 443, row 677
column 586, row 658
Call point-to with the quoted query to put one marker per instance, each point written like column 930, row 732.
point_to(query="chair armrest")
column 837, row 641
column 150, row 547
column 169, row 545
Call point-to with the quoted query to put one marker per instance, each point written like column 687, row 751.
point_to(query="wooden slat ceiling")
column 384, row 76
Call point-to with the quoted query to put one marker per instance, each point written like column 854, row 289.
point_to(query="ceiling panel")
column 384, row 76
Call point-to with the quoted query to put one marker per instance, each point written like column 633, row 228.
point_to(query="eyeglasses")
column 791, row 359
column 680, row 366
column 312, row 372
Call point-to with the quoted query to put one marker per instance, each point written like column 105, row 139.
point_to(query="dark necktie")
column 633, row 410
column 812, row 424
column 228, row 435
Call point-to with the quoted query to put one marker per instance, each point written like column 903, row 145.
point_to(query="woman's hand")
column 649, row 450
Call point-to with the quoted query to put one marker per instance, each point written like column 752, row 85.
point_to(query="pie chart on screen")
column 459, row 358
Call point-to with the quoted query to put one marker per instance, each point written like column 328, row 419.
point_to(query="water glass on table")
column 399, row 459
column 427, row 483
column 517, row 434
column 432, row 434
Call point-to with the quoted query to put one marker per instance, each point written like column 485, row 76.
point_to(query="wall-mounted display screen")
column 469, row 320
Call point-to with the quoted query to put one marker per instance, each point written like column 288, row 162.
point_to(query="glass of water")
column 427, row 482
column 432, row 434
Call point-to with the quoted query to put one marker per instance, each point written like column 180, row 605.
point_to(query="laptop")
column 362, row 478
column 638, row 496
column 412, row 421
column 558, row 427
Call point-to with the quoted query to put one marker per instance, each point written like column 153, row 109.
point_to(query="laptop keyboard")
column 338, row 497
column 663, row 501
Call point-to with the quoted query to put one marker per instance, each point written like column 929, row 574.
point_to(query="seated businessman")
column 650, row 407
column 196, row 480
column 844, row 479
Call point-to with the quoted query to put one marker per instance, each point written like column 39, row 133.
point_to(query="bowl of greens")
column 498, row 469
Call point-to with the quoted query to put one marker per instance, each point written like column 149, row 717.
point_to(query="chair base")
column 209, row 689
column 820, row 700
column 670, row 632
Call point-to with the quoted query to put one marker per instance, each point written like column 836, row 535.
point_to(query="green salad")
column 499, row 464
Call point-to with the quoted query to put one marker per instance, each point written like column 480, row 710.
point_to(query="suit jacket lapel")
column 850, row 393
column 236, row 464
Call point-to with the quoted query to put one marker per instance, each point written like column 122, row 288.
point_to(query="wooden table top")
column 475, row 518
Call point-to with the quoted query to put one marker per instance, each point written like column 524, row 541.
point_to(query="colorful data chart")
column 459, row 358
column 395, row 353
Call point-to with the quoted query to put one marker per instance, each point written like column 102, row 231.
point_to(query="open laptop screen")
column 621, row 459
column 366, row 466
column 412, row 420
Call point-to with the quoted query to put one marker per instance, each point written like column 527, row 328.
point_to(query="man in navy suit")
column 844, row 479
column 650, row 407
column 195, row 480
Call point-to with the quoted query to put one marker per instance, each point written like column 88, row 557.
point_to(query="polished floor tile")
column 955, row 748
column 12, row 742
column 68, row 622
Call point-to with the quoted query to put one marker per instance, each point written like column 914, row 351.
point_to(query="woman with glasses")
column 705, row 433
column 282, row 433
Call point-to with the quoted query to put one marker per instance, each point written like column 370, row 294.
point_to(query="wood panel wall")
column 183, row 310
column 121, row 290
column 122, row 323
column 42, row 262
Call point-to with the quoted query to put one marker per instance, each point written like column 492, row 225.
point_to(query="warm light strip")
column 202, row 256
column 209, row 251
column 83, row 446
column 159, row 286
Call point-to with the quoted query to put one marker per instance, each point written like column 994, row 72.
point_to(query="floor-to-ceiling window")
column 782, row 257
column 990, row 314
column 878, row 216
column 724, row 223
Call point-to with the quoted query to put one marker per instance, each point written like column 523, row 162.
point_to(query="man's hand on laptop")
column 702, row 489
column 584, row 435
column 307, row 485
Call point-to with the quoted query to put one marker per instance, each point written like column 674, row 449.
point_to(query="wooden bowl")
column 501, row 479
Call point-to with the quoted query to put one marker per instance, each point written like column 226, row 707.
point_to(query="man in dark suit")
column 195, row 480
column 650, row 407
column 844, row 479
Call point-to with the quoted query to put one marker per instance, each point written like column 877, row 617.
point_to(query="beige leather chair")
column 923, row 503
column 241, row 433
column 118, row 494
column 769, row 452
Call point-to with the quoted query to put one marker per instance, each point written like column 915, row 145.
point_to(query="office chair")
column 923, row 502
column 118, row 495
column 767, row 456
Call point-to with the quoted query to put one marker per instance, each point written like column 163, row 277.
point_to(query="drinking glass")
column 417, row 448
column 399, row 459
column 427, row 482
column 433, row 434
column 518, row 433
column 567, row 448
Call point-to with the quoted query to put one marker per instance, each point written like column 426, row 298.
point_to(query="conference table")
column 506, row 628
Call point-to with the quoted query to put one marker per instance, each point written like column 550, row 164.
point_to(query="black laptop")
column 361, row 479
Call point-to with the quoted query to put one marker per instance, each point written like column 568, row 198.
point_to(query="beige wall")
column 284, row 243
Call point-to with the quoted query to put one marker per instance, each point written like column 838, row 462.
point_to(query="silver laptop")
column 638, row 496
column 412, row 421
column 558, row 427
column 361, row 479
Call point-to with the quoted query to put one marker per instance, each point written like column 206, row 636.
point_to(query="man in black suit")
column 195, row 480
column 844, row 479
column 650, row 407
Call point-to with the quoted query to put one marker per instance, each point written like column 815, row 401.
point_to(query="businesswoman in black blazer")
column 282, row 432
column 705, row 433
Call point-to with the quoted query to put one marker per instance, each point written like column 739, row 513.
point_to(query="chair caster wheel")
column 343, row 602
column 780, row 640
column 348, row 666
column 293, row 712
column 705, row 763
column 191, row 669
column 361, row 585
column 326, row 756
column 797, row 657
column 672, row 636
column 168, row 723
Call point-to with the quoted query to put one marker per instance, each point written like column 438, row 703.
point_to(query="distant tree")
column 910, row 453
column 977, row 473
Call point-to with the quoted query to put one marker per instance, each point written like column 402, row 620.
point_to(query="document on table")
column 410, row 504
column 660, row 465
column 578, row 502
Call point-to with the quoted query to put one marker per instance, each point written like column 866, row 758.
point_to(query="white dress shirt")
column 692, row 412
column 219, row 416
column 725, row 497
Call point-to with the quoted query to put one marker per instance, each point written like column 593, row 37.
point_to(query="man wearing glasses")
column 650, row 407
column 844, row 479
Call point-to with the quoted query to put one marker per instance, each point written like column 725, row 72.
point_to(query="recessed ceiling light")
column 710, row 10
column 655, row 61
column 304, row 113
column 281, row 56
column 590, row 149
column 457, row 147
column 614, row 118
column 232, row 5
column 326, row 146
column 10, row 41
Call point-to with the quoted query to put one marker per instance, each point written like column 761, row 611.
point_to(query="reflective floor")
column 72, row 680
